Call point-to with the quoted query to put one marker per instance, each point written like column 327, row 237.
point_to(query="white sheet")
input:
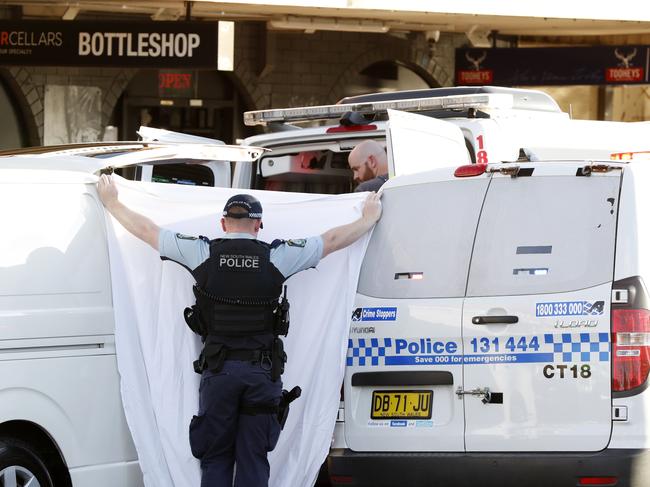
column 155, row 348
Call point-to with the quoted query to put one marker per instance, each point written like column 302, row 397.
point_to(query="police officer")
column 239, row 314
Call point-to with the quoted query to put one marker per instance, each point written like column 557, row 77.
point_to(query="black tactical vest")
column 237, row 289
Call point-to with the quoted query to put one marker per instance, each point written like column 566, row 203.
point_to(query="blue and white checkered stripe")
column 579, row 347
column 555, row 348
column 367, row 351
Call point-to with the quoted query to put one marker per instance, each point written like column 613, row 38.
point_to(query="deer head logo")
column 476, row 61
column 625, row 58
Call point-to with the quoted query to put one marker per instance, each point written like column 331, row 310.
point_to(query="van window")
column 188, row 174
column 425, row 233
column 312, row 170
column 53, row 248
column 545, row 234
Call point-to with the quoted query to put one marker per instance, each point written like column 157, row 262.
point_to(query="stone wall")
column 280, row 69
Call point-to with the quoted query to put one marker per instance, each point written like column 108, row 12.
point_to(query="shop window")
column 12, row 133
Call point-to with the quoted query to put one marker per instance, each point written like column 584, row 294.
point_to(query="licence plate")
column 401, row 404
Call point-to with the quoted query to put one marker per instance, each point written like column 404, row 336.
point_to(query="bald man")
column 369, row 165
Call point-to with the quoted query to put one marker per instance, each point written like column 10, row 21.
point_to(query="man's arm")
column 340, row 237
column 139, row 225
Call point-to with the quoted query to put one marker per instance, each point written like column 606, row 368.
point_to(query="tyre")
column 21, row 465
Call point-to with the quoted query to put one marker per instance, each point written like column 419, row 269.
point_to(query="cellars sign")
column 110, row 44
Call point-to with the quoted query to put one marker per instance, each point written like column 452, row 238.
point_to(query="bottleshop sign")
column 112, row 44
column 599, row 65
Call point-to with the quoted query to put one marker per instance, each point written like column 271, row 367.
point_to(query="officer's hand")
column 372, row 207
column 107, row 190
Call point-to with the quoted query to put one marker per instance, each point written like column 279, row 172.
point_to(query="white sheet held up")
column 155, row 348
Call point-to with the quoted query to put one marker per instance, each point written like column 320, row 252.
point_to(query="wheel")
column 21, row 466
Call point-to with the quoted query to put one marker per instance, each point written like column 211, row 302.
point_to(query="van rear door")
column 405, row 348
column 536, row 320
column 415, row 143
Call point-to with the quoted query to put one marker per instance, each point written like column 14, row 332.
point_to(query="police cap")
column 251, row 205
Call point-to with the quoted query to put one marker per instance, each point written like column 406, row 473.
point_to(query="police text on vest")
column 239, row 262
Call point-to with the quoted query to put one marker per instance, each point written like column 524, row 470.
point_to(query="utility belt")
column 214, row 355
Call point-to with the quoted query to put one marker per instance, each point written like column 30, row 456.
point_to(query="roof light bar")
column 630, row 156
column 457, row 102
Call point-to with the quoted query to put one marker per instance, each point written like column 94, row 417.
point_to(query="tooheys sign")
column 119, row 44
column 553, row 66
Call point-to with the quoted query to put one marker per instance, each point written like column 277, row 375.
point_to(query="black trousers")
column 221, row 437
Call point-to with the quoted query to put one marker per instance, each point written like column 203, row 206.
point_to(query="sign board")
column 599, row 65
column 109, row 44
column 175, row 83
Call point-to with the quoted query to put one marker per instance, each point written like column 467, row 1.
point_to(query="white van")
column 189, row 161
column 497, row 124
column 61, row 416
column 501, row 331
column 501, row 334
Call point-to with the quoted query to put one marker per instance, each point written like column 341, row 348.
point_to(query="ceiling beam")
column 70, row 13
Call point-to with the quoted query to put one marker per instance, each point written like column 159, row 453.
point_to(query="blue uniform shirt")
column 289, row 257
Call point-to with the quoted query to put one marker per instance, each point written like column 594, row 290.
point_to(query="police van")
column 61, row 416
column 501, row 330
column 309, row 146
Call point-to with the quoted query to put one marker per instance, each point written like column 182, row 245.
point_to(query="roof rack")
column 438, row 99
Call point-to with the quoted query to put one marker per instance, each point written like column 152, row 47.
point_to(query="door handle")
column 489, row 320
column 480, row 392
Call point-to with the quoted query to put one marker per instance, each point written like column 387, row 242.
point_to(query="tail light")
column 470, row 170
column 351, row 128
column 631, row 348
column 602, row 481
column 341, row 479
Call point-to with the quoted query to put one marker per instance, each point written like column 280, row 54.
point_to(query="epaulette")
column 276, row 243
column 205, row 239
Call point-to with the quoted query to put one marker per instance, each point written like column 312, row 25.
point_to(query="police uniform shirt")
column 289, row 257
column 372, row 184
